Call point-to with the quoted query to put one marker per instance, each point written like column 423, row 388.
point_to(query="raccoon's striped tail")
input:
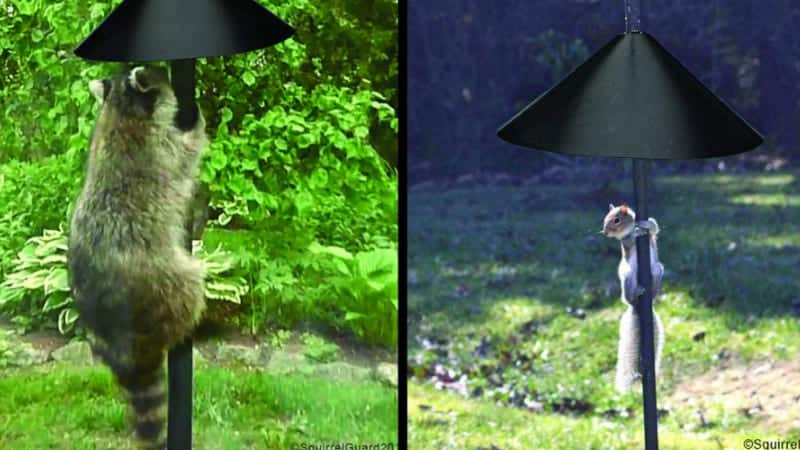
column 145, row 387
column 148, row 405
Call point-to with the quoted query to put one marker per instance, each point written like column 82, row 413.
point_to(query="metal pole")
column 633, row 16
column 179, row 361
column 183, row 83
column 644, row 309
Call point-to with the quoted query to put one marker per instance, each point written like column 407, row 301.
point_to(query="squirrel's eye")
column 616, row 221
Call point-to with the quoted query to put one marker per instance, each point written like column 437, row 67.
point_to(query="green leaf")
column 66, row 320
column 377, row 261
column 305, row 140
column 57, row 280
column 319, row 178
column 361, row 132
column 54, row 302
column 248, row 78
column 350, row 315
column 339, row 252
column 10, row 295
column 342, row 268
column 303, row 201
column 225, row 115
column 217, row 160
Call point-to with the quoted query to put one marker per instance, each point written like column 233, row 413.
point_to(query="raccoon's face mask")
column 135, row 92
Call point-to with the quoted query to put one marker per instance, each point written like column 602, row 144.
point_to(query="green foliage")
column 43, row 83
column 365, row 38
column 308, row 167
column 340, row 44
column 323, row 284
column 318, row 349
column 41, row 268
column 365, row 288
column 34, row 196
column 37, row 293
column 300, row 137
column 279, row 338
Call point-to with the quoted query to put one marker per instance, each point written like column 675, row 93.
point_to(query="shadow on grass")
column 733, row 241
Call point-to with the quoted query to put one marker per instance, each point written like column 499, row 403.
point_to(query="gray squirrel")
column 620, row 223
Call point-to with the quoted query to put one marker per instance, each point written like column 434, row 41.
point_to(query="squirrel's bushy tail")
column 628, row 352
column 144, row 383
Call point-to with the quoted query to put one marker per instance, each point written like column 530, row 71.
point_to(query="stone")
column 76, row 352
column 16, row 353
column 243, row 354
column 387, row 373
column 282, row 362
column 26, row 355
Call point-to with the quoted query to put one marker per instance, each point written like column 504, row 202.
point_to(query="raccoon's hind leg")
column 141, row 376
column 183, row 297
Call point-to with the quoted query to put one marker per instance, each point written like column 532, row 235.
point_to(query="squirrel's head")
column 143, row 92
column 619, row 222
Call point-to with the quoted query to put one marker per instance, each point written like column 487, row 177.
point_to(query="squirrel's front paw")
column 650, row 225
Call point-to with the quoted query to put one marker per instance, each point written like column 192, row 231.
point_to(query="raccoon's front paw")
column 199, row 311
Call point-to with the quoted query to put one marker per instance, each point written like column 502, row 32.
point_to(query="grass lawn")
column 57, row 407
column 514, row 308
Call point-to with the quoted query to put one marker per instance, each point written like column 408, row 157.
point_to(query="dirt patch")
column 46, row 341
column 351, row 351
column 354, row 352
column 768, row 392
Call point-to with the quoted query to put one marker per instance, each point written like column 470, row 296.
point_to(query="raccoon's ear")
column 138, row 79
column 145, row 79
column 610, row 206
column 100, row 88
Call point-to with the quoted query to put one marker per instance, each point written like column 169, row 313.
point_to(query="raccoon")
column 137, row 288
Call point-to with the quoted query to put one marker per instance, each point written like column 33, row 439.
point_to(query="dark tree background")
column 472, row 64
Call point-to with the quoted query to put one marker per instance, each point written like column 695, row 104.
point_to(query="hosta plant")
column 36, row 291
column 364, row 286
